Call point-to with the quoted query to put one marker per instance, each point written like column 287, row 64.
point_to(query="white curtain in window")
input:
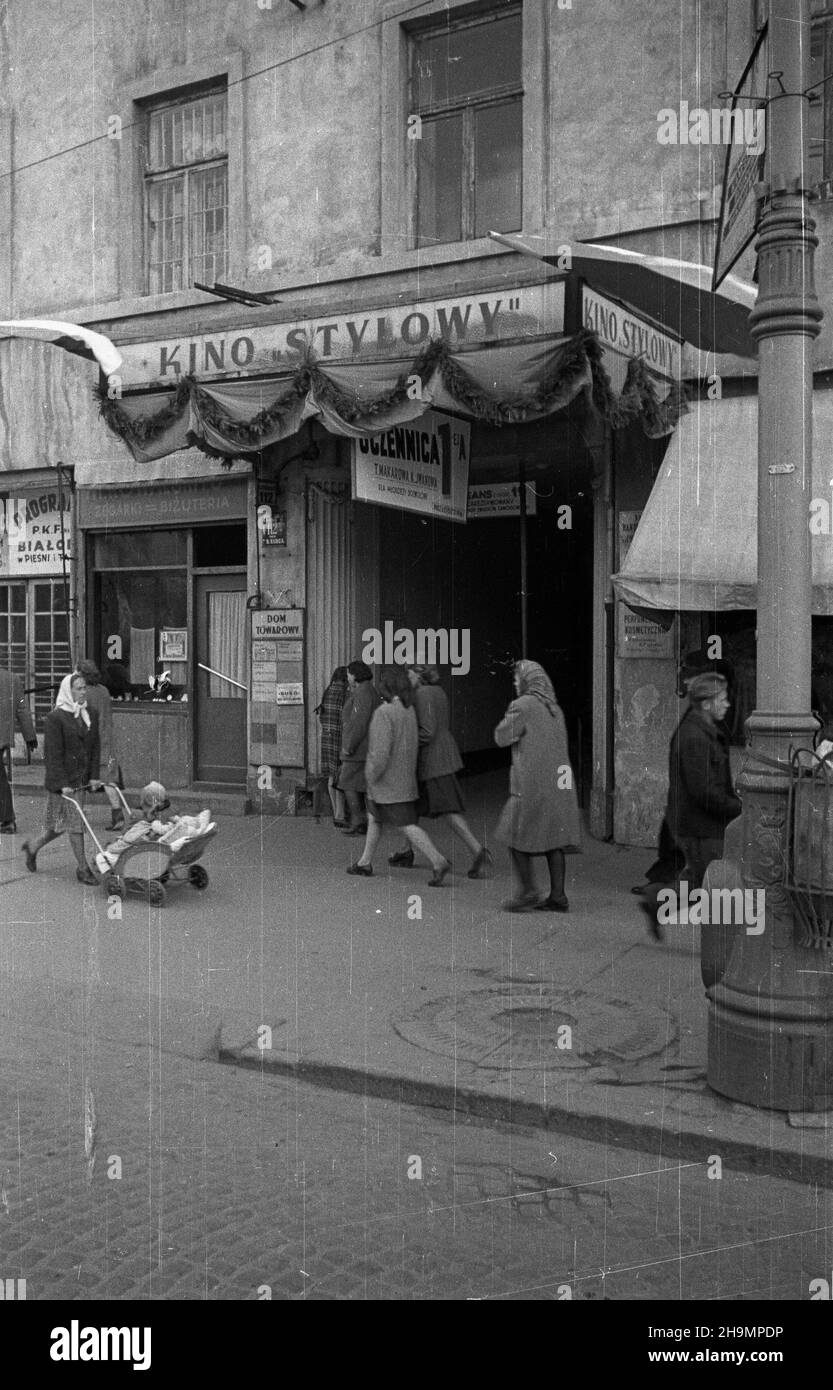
column 227, row 644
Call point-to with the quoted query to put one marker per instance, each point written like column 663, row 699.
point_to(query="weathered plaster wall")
column 311, row 85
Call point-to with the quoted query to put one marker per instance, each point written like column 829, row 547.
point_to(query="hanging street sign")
column 744, row 167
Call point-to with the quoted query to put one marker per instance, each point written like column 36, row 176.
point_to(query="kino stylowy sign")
column 421, row 467
column 623, row 332
column 531, row 311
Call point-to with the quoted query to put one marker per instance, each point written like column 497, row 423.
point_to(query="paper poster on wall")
column 638, row 636
column 33, row 537
column 421, row 466
column 173, row 644
column 290, row 693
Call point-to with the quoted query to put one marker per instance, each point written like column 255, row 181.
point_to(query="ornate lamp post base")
column 771, row 1014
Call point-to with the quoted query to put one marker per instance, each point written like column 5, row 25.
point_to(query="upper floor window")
column 466, row 89
column 186, row 192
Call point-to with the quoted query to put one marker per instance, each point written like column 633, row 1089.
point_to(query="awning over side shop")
column 695, row 548
column 500, row 385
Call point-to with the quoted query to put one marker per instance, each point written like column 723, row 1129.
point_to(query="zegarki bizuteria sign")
column 422, row 466
column 32, row 538
column 402, row 330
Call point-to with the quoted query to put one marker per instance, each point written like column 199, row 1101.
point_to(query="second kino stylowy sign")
column 421, row 466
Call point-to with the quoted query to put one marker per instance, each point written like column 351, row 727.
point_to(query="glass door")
column 221, row 677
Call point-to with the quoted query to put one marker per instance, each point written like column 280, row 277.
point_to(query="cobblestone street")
column 236, row 1186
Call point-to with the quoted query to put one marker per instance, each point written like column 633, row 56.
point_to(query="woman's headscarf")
column 66, row 702
column 533, row 680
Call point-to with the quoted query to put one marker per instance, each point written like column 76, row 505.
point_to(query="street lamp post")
column 771, row 1016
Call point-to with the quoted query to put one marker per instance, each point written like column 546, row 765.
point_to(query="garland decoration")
column 573, row 359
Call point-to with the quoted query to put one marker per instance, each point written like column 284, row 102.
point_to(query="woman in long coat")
column 359, row 705
column 330, row 713
column 71, row 750
column 541, row 815
column 437, row 768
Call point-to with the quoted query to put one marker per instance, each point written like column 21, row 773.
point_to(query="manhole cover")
column 537, row 1029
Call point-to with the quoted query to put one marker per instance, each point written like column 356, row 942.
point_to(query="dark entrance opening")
column 468, row 578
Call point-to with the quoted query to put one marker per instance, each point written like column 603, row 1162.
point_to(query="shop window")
column 50, row 649
column 219, row 545
column 739, row 650
column 133, row 550
column 13, row 628
column 137, row 609
column 466, row 90
column 186, row 192
column 820, row 134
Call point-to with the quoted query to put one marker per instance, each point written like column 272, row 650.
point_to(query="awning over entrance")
column 675, row 294
column 501, row 385
column 695, row 547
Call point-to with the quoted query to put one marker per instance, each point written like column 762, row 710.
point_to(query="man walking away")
column 14, row 712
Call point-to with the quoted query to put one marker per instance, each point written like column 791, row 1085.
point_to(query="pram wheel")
column 197, row 876
column 156, row 893
column 113, row 886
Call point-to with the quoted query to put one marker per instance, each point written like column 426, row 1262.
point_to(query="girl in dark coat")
column 541, row 815
column 72, row 753
column 330, row 715
column 390, row 770
column 439, row 763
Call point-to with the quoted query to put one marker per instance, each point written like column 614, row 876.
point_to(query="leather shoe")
column 357, row 830
column 439, row 875
column 653, row 925
column 31, row 859
column 403, row 859
column 527, row 902
column 361, row 870
column 480, row 862
column 86, row 876
column 553, row 905
column 8, row 828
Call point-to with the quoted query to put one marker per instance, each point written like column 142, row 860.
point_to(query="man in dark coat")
column 14, row 713
column 670, row 858
column 701, row 798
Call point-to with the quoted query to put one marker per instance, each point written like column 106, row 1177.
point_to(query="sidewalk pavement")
column 579, row 1023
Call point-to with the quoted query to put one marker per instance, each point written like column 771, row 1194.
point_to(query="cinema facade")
column 465, row 469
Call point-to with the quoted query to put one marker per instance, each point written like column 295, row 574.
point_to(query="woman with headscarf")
column 71, row 750
column 437, row 768
column 390, row 769
column 329, row 715
column 541, row 815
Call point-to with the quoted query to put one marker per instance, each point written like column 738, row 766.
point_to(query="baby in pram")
column 174, row 832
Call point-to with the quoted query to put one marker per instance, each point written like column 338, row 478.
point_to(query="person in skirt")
column 390, row 773
column 329, row 715
column 437, row 768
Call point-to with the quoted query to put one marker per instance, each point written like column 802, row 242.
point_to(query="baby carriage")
column 150, row 865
